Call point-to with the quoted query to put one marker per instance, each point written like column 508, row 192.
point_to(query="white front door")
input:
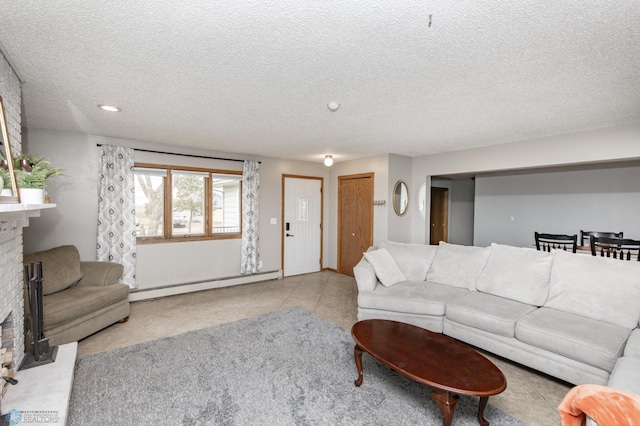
column 302, row 225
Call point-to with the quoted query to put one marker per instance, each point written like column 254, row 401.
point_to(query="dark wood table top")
column 430, row 358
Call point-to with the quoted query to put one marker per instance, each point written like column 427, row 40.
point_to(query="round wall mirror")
column 400, row 198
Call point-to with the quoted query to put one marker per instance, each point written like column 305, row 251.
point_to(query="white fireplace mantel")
column 10, row 208
column 14, row 216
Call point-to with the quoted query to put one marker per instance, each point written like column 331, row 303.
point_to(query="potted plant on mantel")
column 32, row 173
column 6, row 182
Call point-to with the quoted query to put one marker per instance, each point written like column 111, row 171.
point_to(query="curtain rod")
column 186, row 155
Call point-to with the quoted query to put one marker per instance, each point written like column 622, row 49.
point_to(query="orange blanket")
column 605, row 405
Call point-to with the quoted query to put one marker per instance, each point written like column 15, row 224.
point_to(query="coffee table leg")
column 483, row 403
column 446, row 403
column 357, row 351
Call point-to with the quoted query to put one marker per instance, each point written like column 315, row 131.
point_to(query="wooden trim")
column 282, row 202
column 356, row 176
column 187, row 168
column 168, row 221
column 186, row 238
column 208, row 206
column 167, row 228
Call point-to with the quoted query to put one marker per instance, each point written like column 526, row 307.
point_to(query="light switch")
column 274, row 221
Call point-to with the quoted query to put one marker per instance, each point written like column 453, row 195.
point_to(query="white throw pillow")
column 412, row 259
column 457, row 265
column 595, row 287
column 385, row 267
column 517, row 273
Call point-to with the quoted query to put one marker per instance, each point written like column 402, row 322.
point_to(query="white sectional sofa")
column 572, row 316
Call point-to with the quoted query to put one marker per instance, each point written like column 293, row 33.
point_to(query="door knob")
column 290, row 235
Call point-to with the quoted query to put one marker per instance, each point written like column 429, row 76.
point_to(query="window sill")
column 185, row 239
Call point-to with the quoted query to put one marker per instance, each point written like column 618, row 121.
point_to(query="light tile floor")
column 530, row 396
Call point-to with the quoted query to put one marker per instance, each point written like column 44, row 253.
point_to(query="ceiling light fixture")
column 333, row 106
column 109, row 108
column 328, row 160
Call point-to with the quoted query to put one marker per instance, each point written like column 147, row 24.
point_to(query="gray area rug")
column 284, row 368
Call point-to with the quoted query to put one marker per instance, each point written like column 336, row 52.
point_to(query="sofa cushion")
column 626, row 375
column 412, row 297
column 385, row 267
column 595, row 287
column 517, row 273
column 76, row 302
column 577, row 337
column 633, row 344
column 487, row 312
column 60, row 267
column 412, row 259
column 457, row 265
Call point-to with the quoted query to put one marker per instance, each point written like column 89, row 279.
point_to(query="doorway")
column 355, row 219
column 439, row 216
column 301, row 224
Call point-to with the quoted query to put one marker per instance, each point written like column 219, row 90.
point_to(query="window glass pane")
column 187, row 203
column 149, row 192
column 303, row 210
column 226, row 204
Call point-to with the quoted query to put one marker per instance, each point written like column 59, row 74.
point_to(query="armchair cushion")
column 96, row 273
column 77, row 302
column 60, row 268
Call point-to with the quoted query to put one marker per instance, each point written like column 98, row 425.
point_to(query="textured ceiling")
column 255, row 76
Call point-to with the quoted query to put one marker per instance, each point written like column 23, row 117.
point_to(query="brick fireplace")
column 11, row 279
column 13, row 218
column 11, row 223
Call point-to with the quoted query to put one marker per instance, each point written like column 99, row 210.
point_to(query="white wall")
column 74, row 220
column 604, row 145
column 511, row 207
column 460, row 210
column 379, row 165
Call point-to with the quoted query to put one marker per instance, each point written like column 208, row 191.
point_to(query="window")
column 149, row 202
column 226, row 204
column 179, row 203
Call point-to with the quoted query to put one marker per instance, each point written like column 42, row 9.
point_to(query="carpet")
column 283, row 368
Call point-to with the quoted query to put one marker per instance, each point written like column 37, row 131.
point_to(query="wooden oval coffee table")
column 450, row 368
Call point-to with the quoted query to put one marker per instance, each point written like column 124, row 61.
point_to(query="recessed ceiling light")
column 109, row 108
column 333, row 106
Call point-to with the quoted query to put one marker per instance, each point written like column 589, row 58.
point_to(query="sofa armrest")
column 365, row 276
column 100, row 273
column 633, row 344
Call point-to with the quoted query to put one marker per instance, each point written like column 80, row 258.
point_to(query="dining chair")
column 584, row 235
column 548, row 242
column 617, row 248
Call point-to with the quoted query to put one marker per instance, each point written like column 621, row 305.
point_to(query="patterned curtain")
column 250, row 256
column 116, row 210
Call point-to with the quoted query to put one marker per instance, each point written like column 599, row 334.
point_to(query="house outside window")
column 185, row 204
